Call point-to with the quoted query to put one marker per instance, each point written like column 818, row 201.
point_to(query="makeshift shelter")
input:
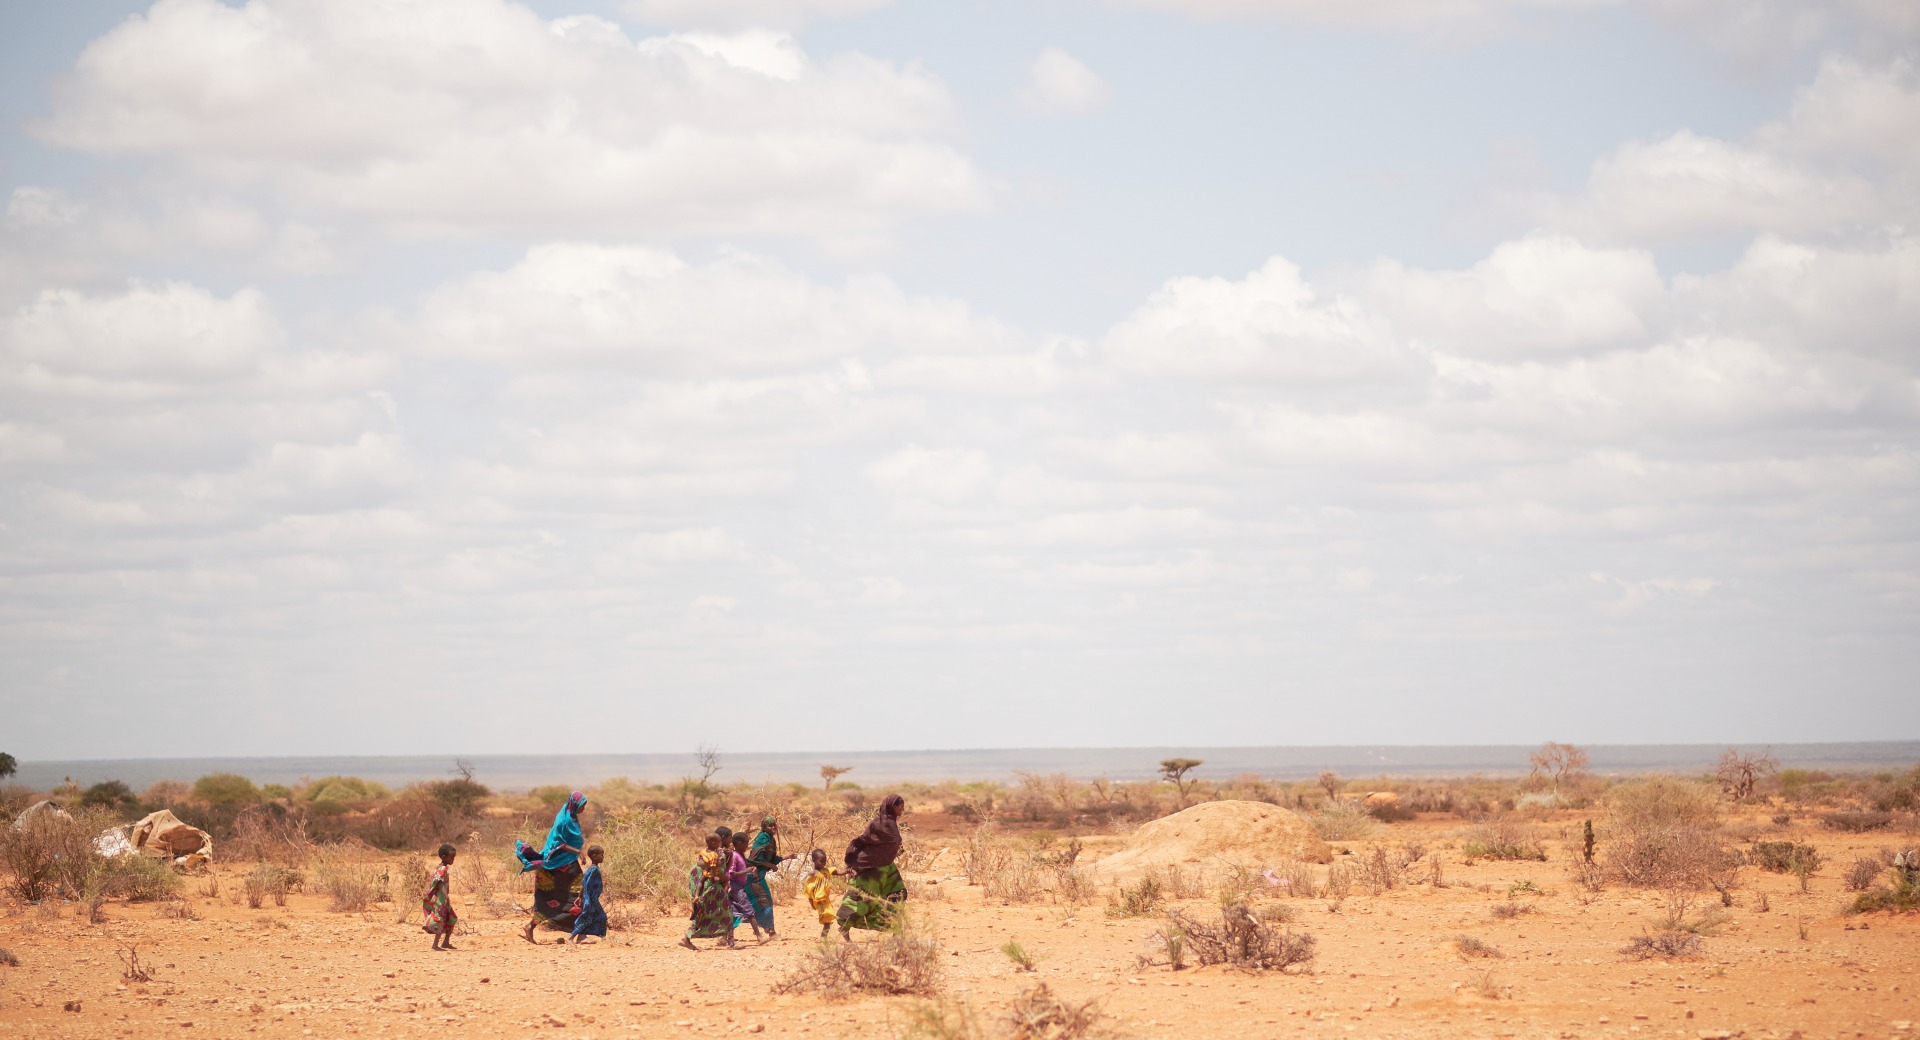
column 161, row 835
column 42, row 806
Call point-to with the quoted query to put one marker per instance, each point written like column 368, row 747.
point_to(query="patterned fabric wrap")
column 436, row 904
column 873, row 898
column 553, row 895
column 711, row 918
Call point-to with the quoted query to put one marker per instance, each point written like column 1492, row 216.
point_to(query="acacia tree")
column 1330, row 780
column 7, row 765
column 832, row 773
column 1740, row 772
column 1558, row 761
column 1175, row 770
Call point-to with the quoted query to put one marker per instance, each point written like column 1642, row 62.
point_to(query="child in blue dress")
column 591, row 917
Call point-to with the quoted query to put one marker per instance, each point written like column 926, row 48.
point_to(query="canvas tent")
column 163, row 836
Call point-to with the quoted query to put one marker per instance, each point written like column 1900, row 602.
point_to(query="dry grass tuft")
column 1021, row 957
column 7, row 958
column 1244, row 940
column 1038, row 1014
column 1666, row 943
column 1509, row 910
column 905, row 960
column 1137, row 900
column 1472, row 947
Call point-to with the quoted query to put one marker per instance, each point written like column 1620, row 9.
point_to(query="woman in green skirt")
column 876, row 890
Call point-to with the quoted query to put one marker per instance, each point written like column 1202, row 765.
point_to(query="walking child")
column 738, row 875
column 436, row 903
column 711, row 919
column 590, row 917
column 820, row 890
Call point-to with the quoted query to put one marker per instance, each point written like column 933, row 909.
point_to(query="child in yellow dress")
column 820, row 891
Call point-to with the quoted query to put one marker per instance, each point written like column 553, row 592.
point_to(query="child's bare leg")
column 527, row 934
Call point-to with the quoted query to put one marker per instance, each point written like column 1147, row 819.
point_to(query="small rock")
column 388, row 974
column 757, row 1028
column 1689, row 1012
column 1716, row 1034
column 1901, row 1026
column 71, row 1005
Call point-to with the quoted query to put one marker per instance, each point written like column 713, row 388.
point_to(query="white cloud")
column 744, row 14
column 1542, row 294
column 685, row 545
column 143, row 340
column 647, row 310
column 476, row 115
column 941, row 474
column 1060, row 84
column 1269, row 325
column 1687, row 186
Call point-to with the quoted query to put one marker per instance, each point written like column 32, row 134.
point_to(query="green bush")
column 276, row 792
column 225, row 789
column 1902, row 898
column 343, row 789
column 1786, row 857
column 113, row 796
column 647, row 859
column 458, row 797
column 137, row 879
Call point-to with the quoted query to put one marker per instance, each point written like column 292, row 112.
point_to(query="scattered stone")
column 71, row 1005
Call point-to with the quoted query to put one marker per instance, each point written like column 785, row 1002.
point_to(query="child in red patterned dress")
column 436, row 903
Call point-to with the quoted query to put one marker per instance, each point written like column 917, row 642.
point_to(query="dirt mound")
column 1213, row 834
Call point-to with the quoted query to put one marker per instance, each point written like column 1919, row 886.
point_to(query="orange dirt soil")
column 1387, row 965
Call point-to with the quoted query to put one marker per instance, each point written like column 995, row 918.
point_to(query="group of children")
column 728, row 888
column 436, row 903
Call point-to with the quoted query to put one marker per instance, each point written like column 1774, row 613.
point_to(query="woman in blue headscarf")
column 555, row 867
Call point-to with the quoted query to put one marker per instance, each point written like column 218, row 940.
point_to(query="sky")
column 475, row 376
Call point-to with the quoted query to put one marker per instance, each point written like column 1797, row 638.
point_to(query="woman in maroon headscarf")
column 876, row 890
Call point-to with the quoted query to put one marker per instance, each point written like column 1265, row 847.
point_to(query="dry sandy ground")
column 1386, row 967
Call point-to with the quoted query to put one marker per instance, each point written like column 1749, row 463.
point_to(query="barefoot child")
column 820, row 891
column 711, row 919
column 591, row 917
column 738, row 874
column 436, row 903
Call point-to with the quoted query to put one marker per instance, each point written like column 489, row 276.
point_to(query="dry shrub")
column 179, row 910
column 411, row 883
column 1666, row 834
column 50, row 852
column 1786, row 857
column 352, row 885
column 1901, row 898
column 1026, row 870
column 1343, row 821
column 256, row 890
column 1038, row 1014
column 1244, row 940
column 1339, row 882
column 1509, row 910
column 7, row 958
column 904, row 960
column 269, row 834
column 1667, row 943
column 407, row 823
column 1864, row 872
column 1857, row 822
column 1295, row 877
column 1502, row 838
column 1137, row 900
column 136, row 879
column 1472, row 947
column 1379, row 873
